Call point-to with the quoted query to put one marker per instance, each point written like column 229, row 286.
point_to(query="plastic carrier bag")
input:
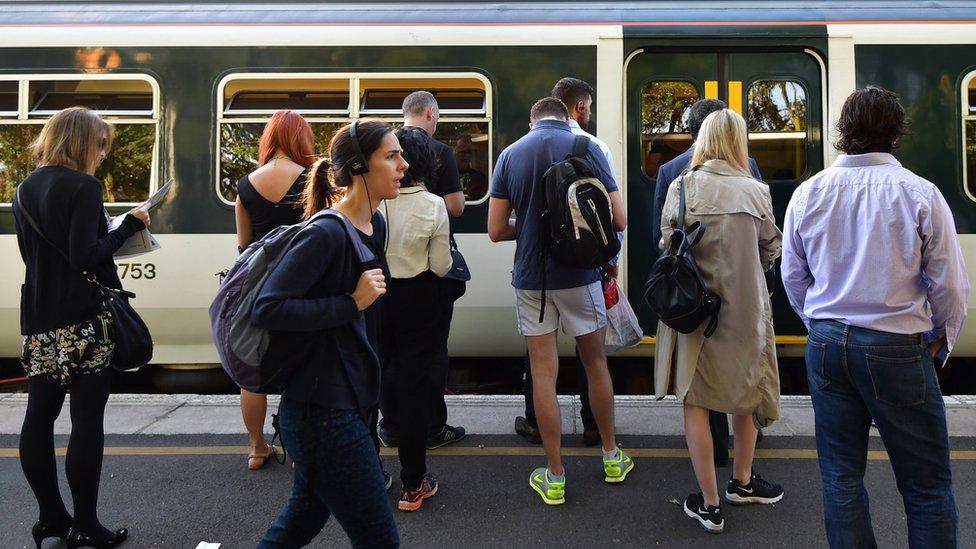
column 623, row 329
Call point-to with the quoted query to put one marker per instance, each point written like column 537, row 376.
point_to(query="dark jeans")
column 857, row 375
column 337, row 472
column 586, row 414
column 83, row 463
column 413, row 345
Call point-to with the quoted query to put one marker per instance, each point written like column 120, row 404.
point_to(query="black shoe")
column 759, row 490
column 41, row 531
column 527, row 431
column 387, row 480
column 81, row 539
column 448, row 435
column 591, row 437
column 709, row 518
column 387, row 438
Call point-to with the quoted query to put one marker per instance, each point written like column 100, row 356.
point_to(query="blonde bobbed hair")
column 74, row 138
column 723, row 137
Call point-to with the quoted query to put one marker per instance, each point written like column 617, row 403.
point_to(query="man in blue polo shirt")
column 574, row 297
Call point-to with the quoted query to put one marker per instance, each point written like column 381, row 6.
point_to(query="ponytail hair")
column 319, row 191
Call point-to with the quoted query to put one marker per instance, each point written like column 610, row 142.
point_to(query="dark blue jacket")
column 315, row 325
column 668, row 173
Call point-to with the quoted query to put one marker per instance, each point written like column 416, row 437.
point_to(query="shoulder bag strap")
column 363, row 253
column 681, row 201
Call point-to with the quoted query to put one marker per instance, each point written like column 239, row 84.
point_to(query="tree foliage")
column 777, row 106
column 665, row 107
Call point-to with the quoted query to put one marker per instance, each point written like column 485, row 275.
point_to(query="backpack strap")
column 580, row 146
column 363, row 253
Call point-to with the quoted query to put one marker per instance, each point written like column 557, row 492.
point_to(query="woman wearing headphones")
column 319, row 304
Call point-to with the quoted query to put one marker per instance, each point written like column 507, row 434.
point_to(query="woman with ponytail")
column 267, row 198
column 319, row 304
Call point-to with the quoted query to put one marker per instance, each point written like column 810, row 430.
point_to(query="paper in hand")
column 157, row 198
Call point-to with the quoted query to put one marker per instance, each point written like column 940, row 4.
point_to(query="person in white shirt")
column 413, row 340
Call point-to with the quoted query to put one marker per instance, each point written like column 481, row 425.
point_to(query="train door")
column 780, row 94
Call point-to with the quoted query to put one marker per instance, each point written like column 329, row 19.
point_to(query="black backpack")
column 675, row 290
column 577, row 218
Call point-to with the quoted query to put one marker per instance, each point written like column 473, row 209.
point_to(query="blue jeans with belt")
column 337, row 472
column 857, row 375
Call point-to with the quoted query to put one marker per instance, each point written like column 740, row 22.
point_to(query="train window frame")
column 747, row 87
column 356, row 81
column 25, row 116
column 699, row 93
column 967, row 114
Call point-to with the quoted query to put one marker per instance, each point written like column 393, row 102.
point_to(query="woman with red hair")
column 269, row 197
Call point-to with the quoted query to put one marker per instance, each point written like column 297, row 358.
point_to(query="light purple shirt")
column 868, row 243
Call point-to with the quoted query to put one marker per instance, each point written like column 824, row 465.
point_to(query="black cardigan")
column 316, row 328
column 67, row 206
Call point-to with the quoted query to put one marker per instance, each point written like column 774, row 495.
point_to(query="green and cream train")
column 189, row 86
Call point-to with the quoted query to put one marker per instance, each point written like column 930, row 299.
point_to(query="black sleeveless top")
column 267, row 215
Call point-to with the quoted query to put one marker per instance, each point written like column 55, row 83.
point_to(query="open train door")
column 781, row 95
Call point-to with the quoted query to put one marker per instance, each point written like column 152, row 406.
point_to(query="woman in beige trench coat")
column 734, row 371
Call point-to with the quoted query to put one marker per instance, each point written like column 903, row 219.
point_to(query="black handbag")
column 675, row 290
column 459, row 270
column 133, row 342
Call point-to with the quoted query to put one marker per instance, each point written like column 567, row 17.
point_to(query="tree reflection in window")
column 665, row 107
column 777, row 120
column 125, row 172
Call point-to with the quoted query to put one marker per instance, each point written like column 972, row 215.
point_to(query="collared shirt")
column 604, row 148
column 518, row 177
column 418, row 235
column 870, row 244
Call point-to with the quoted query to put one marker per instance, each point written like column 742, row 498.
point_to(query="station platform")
column 175, row 474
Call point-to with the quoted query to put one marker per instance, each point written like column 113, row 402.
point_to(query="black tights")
column 83, row 463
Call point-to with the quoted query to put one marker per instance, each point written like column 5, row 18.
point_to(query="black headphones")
column 359, row 164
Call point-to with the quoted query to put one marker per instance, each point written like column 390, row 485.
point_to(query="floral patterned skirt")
column 60, row 354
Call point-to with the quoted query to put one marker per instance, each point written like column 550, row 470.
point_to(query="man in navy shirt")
column 668, row 172
column 574, row 297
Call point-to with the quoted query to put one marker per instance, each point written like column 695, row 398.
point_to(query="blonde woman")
column 66, row 336
column 734, row 371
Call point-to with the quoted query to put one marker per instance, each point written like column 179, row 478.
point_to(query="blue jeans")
column 337, row 472
column 857, row 375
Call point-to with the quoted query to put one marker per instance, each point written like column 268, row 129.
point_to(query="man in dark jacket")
column 668, row 172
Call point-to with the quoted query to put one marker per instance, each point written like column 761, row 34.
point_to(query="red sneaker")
column 411, row 500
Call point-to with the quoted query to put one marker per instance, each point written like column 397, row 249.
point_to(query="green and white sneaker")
column 553, row 493
column 616, row 469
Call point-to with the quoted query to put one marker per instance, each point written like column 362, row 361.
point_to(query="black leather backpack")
column 675, row 290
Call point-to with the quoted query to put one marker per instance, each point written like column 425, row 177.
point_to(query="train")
column 189, row 86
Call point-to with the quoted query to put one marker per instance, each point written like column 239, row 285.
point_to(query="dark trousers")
column 857, row 375
column 336, row 474
column 413, row 347
column 83, row 463
column 439, row 367
column 586, row 414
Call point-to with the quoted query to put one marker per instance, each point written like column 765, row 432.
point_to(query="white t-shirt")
column 604, row 148
column 418, row 233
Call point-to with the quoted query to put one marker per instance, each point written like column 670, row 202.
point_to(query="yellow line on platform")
column 478, row 451
column 780, row 340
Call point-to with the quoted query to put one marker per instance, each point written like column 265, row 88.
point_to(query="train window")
column 304, row 94
column 119, row 97
column 128, row 102
column 665, row 106
column 239, row 150
column 778, row 129
column 330, row 100
column 9, row 97
column 969, row 132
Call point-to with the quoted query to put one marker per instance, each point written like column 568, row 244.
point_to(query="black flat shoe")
column 80, row 539
column 42, row 531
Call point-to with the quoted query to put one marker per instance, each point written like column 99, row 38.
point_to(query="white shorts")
column 579, row 311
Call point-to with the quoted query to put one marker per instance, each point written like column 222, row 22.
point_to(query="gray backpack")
column 240, row 344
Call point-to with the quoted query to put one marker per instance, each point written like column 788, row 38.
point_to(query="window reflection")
column 777, row 128
column 470, row 144
column 665, row 107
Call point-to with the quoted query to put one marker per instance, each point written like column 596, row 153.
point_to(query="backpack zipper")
column 599, row 223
